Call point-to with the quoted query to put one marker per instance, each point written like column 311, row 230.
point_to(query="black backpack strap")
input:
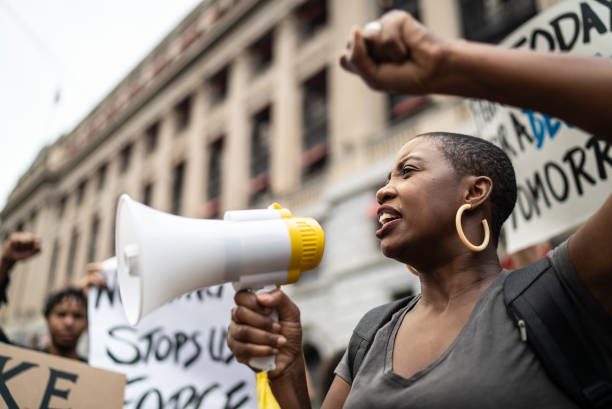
column 366, row 329
column 534, row 296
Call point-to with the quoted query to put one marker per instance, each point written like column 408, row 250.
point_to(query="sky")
column 77, row 50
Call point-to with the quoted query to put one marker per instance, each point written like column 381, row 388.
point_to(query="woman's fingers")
column 361, row 61
column 384, row 38
column 250, row 335
column 396, row 54
column 244, row 352
column 278, row 300
column 248, row 299
column 243, row 315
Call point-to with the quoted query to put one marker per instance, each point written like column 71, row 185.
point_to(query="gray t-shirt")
column 486, row 366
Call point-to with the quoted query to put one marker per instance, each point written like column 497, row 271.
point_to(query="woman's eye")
column 407, row 171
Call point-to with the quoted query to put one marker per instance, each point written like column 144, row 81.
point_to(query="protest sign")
column 561, row 171
column 31, row 379
column 177, row 356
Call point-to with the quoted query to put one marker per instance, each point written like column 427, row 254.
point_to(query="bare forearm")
column 5, row 268
column 573, row 88
column 290, row 389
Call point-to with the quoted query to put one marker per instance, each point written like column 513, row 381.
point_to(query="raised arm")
column 397, row 54
column 94, row 277
column 19, row 246
column 557, row 84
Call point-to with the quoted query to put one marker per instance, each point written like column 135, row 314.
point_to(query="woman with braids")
column 455, row 345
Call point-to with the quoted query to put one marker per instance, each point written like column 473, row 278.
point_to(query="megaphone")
column 161, row 256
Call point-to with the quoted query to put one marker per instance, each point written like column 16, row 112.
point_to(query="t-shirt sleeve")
column 343, row 370
column 579, row 295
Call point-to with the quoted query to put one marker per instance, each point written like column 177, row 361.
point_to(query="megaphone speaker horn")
column 161, row 256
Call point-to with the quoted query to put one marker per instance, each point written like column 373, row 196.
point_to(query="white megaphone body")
column 162, row 256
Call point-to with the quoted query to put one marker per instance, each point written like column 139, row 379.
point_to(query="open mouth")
column 387, row 217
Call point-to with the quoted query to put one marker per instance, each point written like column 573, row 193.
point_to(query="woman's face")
column 418, row 203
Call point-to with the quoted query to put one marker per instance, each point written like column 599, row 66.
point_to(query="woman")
column 455, row 346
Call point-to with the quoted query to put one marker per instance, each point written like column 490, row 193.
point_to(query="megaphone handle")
column 265, row 363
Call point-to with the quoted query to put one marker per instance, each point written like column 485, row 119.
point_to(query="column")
column 194, row 176
column 235, row 172
column 286, row 144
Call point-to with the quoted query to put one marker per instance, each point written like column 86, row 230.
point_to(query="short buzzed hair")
column 470, row 155
column 57, row 297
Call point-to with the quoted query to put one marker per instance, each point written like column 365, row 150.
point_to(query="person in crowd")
column 454, row 345
column 66, row 315
column 17, row 247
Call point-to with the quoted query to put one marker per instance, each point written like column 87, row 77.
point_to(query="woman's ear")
column 478, row 190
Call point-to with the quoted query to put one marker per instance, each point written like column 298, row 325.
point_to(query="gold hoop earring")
column 412, row 269
column 464, row 239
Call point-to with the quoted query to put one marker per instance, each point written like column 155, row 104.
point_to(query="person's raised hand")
column 396, row 54
column 20, row 246
column 252, row 333
column 93, row 277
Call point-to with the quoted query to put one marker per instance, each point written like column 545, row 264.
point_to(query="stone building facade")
column 242, row 104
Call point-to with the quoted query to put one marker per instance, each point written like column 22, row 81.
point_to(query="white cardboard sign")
column 563, row 174
column 177, row 356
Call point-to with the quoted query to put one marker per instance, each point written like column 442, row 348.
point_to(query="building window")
column 218, row 84
column 20, row 226
column 178, row 179
column 147, row 194
column 124, row 158
column 260, row 153
column 260, row 142
column 74, row 242
column 151, row 138
column 81, row 191
column 404, row 106
column 492, row 20
column 411, row 6
column 312, row 16
column 93, row 239
column 33, row 216
column 314, row 129
column 215, row 166
column 61, row 205
column 53, row 264
column 182, row 114
column 114, row 226
column 261, row 53
column 101, row 176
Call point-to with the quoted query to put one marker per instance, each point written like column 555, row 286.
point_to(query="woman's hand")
column 396, row 54
column 252, row 333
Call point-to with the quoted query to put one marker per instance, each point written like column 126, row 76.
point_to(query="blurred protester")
column 18, row 246
column 66, row 315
